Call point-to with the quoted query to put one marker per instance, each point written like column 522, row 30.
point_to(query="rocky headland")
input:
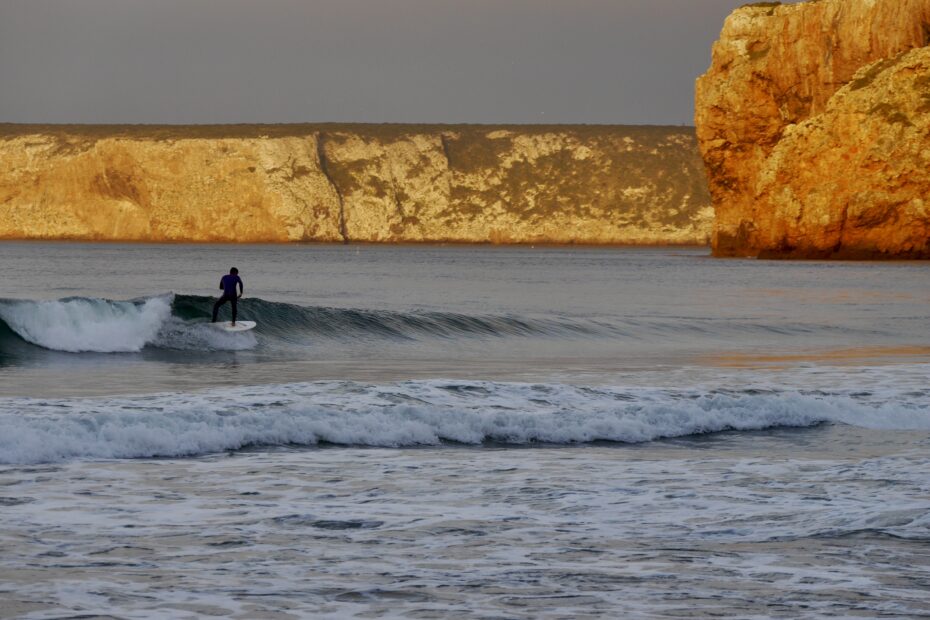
column 354, row 183
column 814, row 124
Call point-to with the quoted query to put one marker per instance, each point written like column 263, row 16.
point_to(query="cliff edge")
column 814, row 124
column 342, row 183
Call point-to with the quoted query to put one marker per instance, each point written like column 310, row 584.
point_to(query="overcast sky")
column 421, row 61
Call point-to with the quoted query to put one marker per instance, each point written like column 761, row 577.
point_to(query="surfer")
column 228, row 283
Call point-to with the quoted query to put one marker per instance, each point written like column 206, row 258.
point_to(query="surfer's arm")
column 221, row 283
column 241, row 287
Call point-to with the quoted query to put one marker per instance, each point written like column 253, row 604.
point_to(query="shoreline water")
column 699, row 526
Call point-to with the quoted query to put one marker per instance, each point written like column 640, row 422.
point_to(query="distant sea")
column 474, row 432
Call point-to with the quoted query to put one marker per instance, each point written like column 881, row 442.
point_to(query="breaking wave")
column 413, row 413
column 81, row 324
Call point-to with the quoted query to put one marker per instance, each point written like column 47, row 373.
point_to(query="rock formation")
column 814, row 124
column 367, row 183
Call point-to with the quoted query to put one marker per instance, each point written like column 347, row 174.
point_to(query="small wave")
column 82, row 324
column 291, row 322
column 414, row 413
column 86, row 324
column 178, row 322
column 287, row 321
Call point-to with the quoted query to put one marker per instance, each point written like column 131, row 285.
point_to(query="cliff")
column 813, row 123
column 367, row 183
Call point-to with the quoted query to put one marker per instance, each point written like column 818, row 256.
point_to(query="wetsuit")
column 228, row 283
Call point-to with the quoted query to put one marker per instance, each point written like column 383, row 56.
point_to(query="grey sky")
column 442, row 61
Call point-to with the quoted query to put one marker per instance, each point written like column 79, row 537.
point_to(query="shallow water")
column 470, row 432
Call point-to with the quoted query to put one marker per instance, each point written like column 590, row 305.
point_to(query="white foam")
column 405, row 414
column 182, row 335
column 84, row 324
column 104, row 326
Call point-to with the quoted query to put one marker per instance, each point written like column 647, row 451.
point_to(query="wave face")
column 413, row 413
column 84, row 324
column 179, row 322
column 284, row 320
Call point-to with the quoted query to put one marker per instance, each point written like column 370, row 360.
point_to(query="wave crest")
column 86, row 324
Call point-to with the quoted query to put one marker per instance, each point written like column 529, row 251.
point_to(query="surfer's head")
column 234, row 271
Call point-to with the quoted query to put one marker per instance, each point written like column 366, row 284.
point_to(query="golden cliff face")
column 365, row 183
column 812, row 121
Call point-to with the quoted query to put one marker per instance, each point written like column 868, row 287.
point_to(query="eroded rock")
column 368, row 183
column 812, row 122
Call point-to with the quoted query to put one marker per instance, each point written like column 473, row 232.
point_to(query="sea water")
column 481, row 432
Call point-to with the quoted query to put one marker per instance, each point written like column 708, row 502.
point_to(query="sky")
column 407, row 61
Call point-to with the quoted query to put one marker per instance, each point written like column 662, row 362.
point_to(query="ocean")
column 461, row 431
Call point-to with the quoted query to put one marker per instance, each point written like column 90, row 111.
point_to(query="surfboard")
column 240, row 326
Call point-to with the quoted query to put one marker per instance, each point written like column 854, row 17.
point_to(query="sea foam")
column 413, row 413
column 87, row 324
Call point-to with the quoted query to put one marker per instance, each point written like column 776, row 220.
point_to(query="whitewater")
column 462, row 432
column 420, row 413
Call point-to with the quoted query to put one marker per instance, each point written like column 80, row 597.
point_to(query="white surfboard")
column 240, row 326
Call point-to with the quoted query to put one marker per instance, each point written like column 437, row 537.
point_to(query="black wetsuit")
column 228, row 283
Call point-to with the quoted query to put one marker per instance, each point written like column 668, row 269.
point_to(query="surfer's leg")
column 233, row 301
column 216, row 307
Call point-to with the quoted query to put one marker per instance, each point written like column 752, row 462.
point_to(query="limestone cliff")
column 367, row 183
column 813, row 124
